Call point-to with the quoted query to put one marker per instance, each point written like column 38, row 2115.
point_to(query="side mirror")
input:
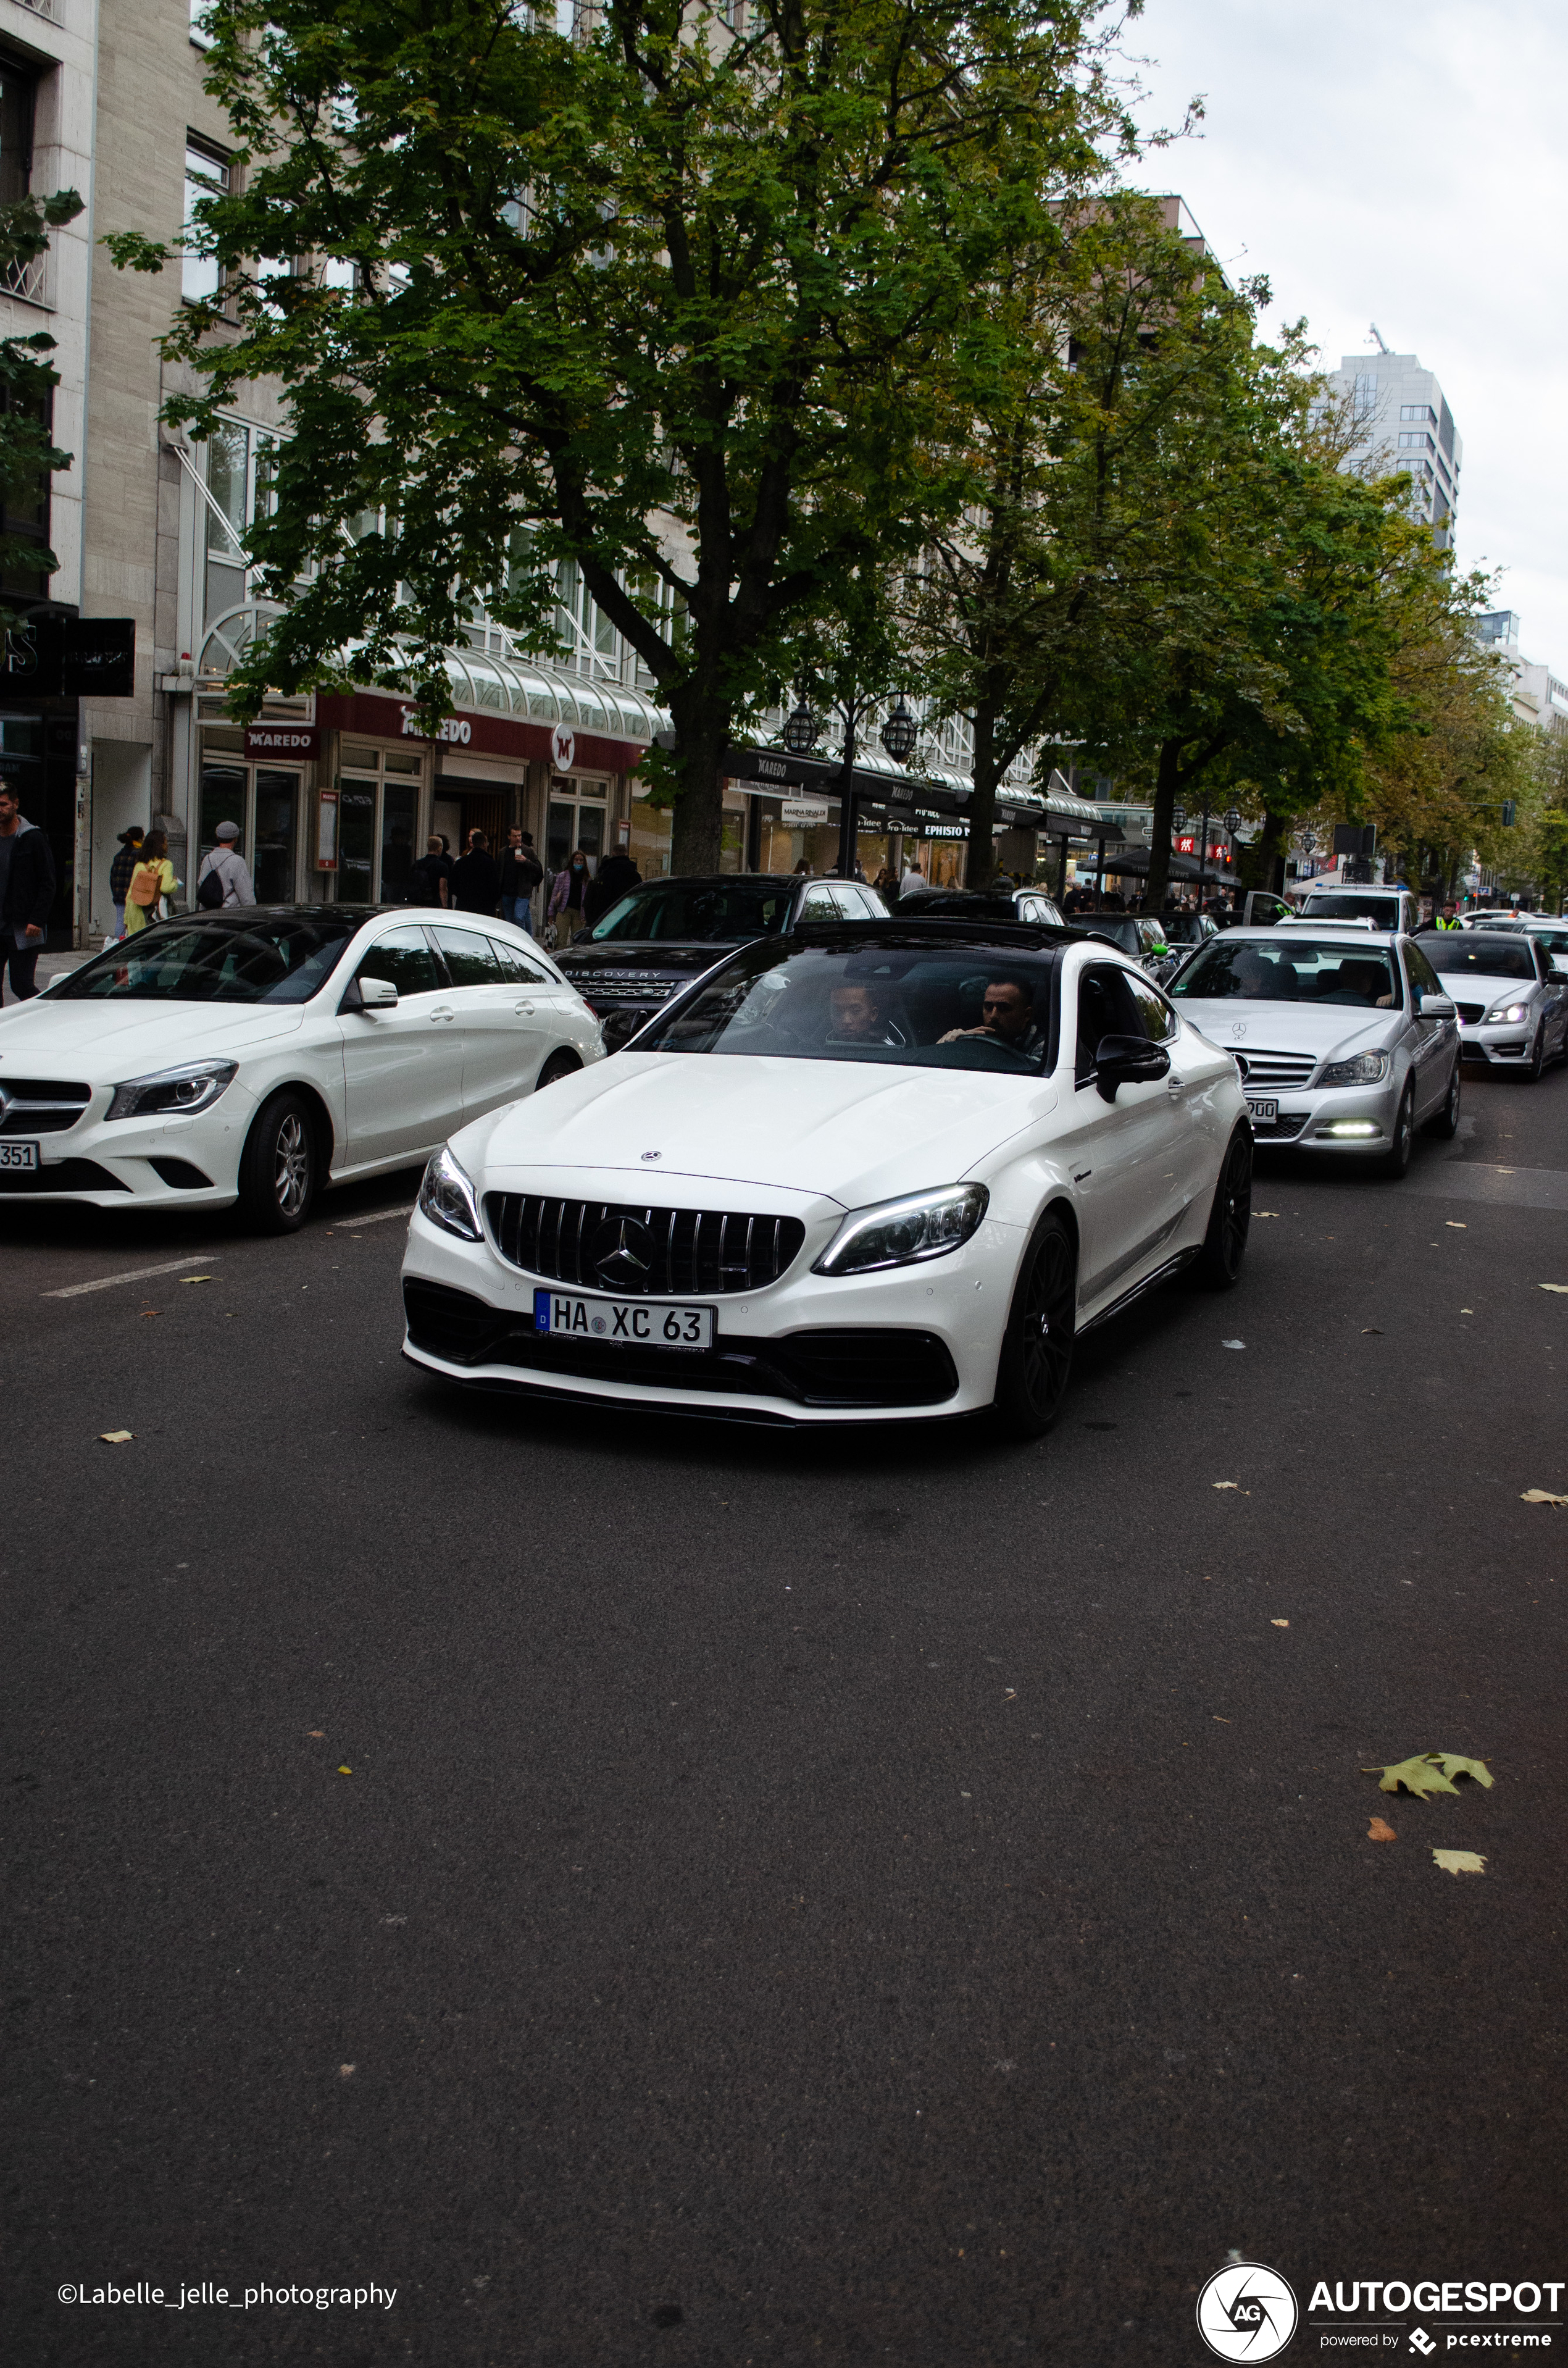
column 1128, row 1061
column 1438, row 1006
column 368, row 995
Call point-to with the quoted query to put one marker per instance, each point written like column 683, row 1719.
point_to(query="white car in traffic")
column 258, row 1053
column 1345, row 1038
column 849, row 1176
column 1510, row 987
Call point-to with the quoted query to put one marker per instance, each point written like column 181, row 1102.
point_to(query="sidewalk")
column 49, row 966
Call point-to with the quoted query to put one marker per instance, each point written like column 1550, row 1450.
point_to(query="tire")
column 1537, row 1055
column 1036, row 1363
column 559, row 1065
column 1445, row 1123
column 1219, row 1263
column 1396, row 1162
column 279, row 1167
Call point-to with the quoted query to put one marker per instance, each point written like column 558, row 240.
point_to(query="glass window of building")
column 15, row 133
column 206, row 175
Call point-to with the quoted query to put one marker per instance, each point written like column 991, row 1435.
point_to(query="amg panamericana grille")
column 681, row 1253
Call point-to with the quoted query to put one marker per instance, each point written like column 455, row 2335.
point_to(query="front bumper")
column 1311, row 1121
column 905, row 1345
column 151, row 1163
column 1504, row 1043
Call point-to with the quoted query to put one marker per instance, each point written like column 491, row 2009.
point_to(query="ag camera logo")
column 1246, row 2311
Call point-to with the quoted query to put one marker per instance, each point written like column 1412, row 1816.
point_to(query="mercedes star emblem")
column 623, row 1254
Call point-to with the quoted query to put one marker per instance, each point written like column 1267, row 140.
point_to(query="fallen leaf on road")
column 1380, row 1831
column 115, row 1437
column 1232, row 1344
column 150, row 1311
column 1266, row 1213
column 1428, row 1772
column 1218, row 1720
column 346, row 2071
column 1461, row 1862
column 1531, row 1497
column 316, row 1734
column 1371, row 1328
column 1553, row 1286
column 1009, row 1694
column 1467, row 1311
column 196, row 1278
column 348, row 1771
column 1454, row 1225
column 1228, row 1484
column 1280, row 1623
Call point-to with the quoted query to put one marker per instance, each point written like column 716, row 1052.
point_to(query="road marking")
column 352, row 1224
column 136, row 1274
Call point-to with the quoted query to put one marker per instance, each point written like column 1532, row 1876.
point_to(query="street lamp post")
column 1233, row 823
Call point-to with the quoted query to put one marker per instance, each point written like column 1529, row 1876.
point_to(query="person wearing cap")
column 120, row 869
column 228, row 867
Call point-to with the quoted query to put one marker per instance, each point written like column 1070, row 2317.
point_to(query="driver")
column 1256, row 979
column 1007, row 1018
column 857, row 1015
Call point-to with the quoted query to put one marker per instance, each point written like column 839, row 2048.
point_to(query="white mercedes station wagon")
column 260, row 1054
column 891, row 1172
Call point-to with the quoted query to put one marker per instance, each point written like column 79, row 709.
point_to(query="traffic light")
column 1509, row 809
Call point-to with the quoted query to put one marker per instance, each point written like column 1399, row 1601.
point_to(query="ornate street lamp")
column 1179, row 818
column 900, row 734
column 1233, row 819
column 799, row 730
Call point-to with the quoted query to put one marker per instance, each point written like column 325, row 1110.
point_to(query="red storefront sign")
column 263, row 742
column 377, row 716
column 1219, row 853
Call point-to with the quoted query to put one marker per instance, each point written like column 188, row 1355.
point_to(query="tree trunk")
column 979, row 856
column 702, row 734
column 1257, row 866
column 1166, row 781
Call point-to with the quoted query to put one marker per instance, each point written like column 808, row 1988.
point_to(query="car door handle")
column 523, row 1006
column 443, row 1011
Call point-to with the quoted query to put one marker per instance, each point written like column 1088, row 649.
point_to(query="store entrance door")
column 573, row 822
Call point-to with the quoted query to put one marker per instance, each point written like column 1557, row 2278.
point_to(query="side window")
column 470, row 959
column 852, row 905
column 404, row 956
column 1423, row 977
column 818, row 905
column 1105, row 1008
column 517, row 967
column 1159, row 1021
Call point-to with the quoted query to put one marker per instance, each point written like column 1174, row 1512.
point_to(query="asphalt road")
column 664, row 1893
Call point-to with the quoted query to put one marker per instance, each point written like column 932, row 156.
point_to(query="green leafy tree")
column 666, row 303
column 28, row 455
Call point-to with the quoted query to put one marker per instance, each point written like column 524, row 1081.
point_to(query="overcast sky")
column 1408, row 166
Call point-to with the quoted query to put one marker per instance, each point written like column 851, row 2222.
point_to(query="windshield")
column 1347, row 905
column 707, row 912
column 1185, row 928
column 896, row 1003
column 1292, row 970
column 1461, row 954
column 270, row 959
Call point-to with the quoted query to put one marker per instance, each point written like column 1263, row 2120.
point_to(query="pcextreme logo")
column 1246, row 2311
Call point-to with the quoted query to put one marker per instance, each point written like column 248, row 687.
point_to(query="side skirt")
column 1151, row 1282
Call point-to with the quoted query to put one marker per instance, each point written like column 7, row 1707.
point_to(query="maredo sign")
column 374, row 714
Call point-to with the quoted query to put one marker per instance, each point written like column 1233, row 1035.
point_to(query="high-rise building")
column 1537, row 695
column 1402, row 421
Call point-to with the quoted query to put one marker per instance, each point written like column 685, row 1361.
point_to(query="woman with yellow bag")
column 152, row 879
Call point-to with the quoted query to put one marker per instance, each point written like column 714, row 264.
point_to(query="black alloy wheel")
column 1397, row 1161
column 1445, row 1123
column 1036, row 1362
column 559, row 1065
column 279, row 1166
column 1219, row 1262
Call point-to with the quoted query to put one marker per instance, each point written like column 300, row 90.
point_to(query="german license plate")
column 18, row 1154
column 1268, row 1112
column 630, row 1323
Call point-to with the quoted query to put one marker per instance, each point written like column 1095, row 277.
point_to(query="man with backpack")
column 225, row 877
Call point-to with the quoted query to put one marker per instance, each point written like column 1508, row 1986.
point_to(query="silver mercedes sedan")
column 1511, row 990
column 1344, row 1040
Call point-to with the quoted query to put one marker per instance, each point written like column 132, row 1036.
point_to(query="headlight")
column 898, row 1233
column 446, row 1197
column 1366, row 1070
column 1508, row 1011
column 194, row 1087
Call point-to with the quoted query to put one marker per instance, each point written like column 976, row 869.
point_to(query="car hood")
column 1473, row 988
column 843, row 1129
column 104, row 1043
column 1321, row 1030
column 582, row 964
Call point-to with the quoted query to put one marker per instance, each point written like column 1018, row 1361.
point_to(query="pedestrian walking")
column 476, row 879
column 120, row 869
column 225, row 877
column 426, row 880
column 27, row 892
column 617, row 873
column 566, row 896
column 153, row 880
column 521, row 872
column 914, row 879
